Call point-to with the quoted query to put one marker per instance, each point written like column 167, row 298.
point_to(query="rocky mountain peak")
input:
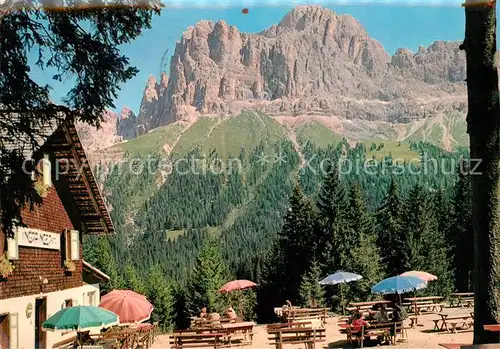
column 126, row 113
column 313, row 61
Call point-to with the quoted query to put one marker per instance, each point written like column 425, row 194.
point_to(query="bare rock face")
column 113, row 129
column 98, row 139
column 126, row 124
column 152, row 100
column 313, row 61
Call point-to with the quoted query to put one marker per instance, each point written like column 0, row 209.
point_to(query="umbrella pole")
column 239, row 305
column 342, row 298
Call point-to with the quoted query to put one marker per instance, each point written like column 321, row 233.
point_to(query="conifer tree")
column 133, row 281
column 444, row 212
column 461, row 233
column 160, row 294
column 333, row 237
column 105, row 261
column 311, row 293
column 364, row 256
column 209, row 274
column 271, row 290
column 390, row 233
column 297, row 241
column 427, row 245
column 181, row 317
column 483, row 127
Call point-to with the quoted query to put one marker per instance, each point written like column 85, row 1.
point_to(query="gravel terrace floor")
column 420, row 337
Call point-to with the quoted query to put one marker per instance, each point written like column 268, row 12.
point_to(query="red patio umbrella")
column 237, row 285
column 131, row 307
column 422, row 275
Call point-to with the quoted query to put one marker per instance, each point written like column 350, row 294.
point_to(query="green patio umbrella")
column 80, row 318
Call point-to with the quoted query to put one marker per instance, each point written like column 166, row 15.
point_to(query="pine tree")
column 82, row 44
column 364, row 257
column 209, row 274
column 106, row 262
column 359, row 219
column 461, row 233
column 444, row 212
column 483, row 126
column 311, row 293
column 181, row 316
column 160, row 294
column 390, row 233
column 333, row 237
column 271, row 291
column 427, row 246
column 296, row 242
column 133, row 281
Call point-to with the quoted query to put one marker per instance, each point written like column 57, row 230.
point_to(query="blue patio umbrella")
column 340, row 277
column 398, row 284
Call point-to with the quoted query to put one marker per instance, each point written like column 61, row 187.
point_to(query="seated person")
column 353, row 316
column 203, row 314
column 359, row 322
column 214, row 318
column 84, row 338
column 231, row 314
column 381, row 315
column 399, row 314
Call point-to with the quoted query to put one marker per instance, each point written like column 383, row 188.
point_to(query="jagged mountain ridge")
column 314, row 62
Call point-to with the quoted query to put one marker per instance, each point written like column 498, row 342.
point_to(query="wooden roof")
column 65, row 145
column 98, row 274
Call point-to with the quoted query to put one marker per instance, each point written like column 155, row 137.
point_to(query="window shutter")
column 14, row 331
column 12, row 247
column 75, row 245
column 67, row 244
column 47, row 171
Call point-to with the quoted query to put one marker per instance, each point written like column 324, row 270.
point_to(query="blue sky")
column 395, row 25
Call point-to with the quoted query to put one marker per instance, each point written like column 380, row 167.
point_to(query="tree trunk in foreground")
column 483, row 127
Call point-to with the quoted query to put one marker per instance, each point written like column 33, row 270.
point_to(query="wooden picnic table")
column 492, row 328
column 435, row 299
column 460, row 296
column 447, row 317
column 423, row 302
column 246, row 329
column 358, row 305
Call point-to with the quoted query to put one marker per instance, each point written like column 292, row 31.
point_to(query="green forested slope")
column 233, row 180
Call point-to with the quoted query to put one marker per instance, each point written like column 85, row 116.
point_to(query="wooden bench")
column 296, row 335
column 467, row 301
column 447, row 321
column 67, row 343
column 197, row 340
column 387, row 330
column 432, row 307
column 239, row 333
column 305, row 314
column 363, row 307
